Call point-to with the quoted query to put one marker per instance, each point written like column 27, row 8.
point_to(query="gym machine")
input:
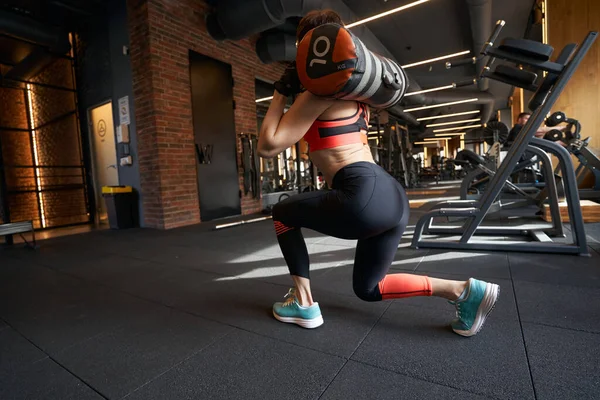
column 588, row 162
column 570, row 138
column 394, row 153
column 525, row 180
column 476, row 234
column 525, row 184
column 405, row 168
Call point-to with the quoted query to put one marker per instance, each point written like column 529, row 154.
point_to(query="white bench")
column 19, row 228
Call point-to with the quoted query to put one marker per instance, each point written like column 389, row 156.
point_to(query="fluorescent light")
column 441, row 105
column 264, row 99
column 453, row 122
column 383, row 14
column 457, row 128
column 460, row 53
column 424, row 143
column 451, row 134
column 436, row 139
column 449, row 115
column 36, row 159
column 431, row 90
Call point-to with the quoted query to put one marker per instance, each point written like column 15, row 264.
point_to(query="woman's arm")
column 279, row 131
column 542, row 130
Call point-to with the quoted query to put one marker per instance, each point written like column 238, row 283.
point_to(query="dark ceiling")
column 13, row 51
column 68, row 14
column 32, row 32
column 432, row 29
column 437, row 28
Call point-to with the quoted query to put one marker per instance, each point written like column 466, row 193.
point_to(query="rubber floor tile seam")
column 355, row 349
column 514, row 291
column 560, row 327
column 55, row 361
column 486, row 395
column 194, row 354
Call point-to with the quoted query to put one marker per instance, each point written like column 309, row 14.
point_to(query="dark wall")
column 104, row 73
column 122, row 85
column 506, row 117
column 93, row 74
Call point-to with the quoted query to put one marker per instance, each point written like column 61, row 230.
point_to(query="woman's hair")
column 316, row 18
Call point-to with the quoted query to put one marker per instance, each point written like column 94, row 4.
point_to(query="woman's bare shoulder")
column 340, row 109
column 333, row 108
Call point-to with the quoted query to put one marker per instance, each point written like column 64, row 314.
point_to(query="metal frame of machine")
column 471, row 234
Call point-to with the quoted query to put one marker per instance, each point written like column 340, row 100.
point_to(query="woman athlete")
column 365, row 203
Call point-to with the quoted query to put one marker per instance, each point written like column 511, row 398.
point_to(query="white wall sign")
column 124, row 111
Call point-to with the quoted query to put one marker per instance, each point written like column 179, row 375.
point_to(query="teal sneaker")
column 291, row 312
column 473, row 307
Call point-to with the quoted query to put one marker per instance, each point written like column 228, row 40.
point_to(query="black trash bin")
column 121, row 205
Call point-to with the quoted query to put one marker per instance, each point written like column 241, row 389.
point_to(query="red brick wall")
column 161, row 34
column 59, row 145
column 12, row 108
column 16, row 151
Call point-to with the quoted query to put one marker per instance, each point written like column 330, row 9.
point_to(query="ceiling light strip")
column 430, row 90
column 458, row 128
column 449, row 115
column 454, row 122
column 383, row 14
column 440, row 58
column 441, row 105
column 451, row 134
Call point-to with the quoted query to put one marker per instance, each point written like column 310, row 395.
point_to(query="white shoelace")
column 290, row 296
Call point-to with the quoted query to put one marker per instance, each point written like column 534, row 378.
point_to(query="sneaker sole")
column 305, row 323
column 490, row 298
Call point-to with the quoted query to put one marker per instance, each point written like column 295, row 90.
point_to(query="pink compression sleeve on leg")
column 397, row 286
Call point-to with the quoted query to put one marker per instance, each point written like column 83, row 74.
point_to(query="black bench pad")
column 528, row 48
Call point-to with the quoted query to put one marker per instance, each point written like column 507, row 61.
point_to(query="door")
column 104, row 154
column 214, row 133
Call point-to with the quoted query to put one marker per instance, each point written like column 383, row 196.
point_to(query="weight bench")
column 528, row 48
column 19, row 228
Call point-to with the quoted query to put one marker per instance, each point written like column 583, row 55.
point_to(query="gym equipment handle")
column 467, row 82
column 490, row 43
column 465, row 61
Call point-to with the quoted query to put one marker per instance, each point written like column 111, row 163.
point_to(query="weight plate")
column 554, row 135
column 495, row 127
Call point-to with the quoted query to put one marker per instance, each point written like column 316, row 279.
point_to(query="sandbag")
column 334, row 63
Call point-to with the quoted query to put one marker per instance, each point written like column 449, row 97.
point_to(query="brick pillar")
column 144, row 92
column 162, row 32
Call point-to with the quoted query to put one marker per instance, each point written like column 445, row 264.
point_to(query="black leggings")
column 365, row 203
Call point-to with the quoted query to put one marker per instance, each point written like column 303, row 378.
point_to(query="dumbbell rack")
column 474, row 233
column 588, row 161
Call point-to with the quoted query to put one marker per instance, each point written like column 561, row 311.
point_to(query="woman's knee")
column 280, row 211
column 366, row 293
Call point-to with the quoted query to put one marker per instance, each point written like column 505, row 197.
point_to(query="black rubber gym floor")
column 185, row 314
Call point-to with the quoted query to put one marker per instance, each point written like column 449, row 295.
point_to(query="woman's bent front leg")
column 312, row 210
